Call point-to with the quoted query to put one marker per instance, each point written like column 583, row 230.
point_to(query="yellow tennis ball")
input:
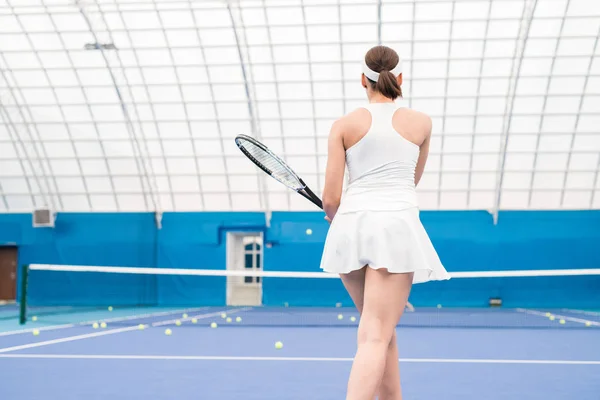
column 178, row 323
column 168, row 332
column 141, row 327
column 548, row 314
column 95, row 325
column 439, row 306
column 562, row 321
column 194, row 320
column 103, row 325
column 238, row 319
column 110, row 308
column 184, row 315
column 309, row 231
column 353, row 319
column 588, row 323
column 213, row 325
column 228, row 319
column 34, row 318
column 552, row 318
column 340, row 316
column 36, row 332
column 278, row 345
column 223, row 315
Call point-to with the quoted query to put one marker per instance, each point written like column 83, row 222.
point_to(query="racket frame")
column 303, row 190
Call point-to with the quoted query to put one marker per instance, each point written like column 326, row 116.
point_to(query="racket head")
column 269, row 162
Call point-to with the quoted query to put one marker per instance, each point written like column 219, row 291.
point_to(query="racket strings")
column 271, row 164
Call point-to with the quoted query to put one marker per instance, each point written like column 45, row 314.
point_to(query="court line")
column 68, row 339
column 285, row 359
column 202, row 316
column 114, row 319
column 594, row 313
column 108, row 332
column 566, row 318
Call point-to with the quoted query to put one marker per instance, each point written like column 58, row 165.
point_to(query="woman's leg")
column 385, row 297
column 390, row 389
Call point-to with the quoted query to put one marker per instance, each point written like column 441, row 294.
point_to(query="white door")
column 244, row 253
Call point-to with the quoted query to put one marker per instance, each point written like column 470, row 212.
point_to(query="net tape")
column 293, row 274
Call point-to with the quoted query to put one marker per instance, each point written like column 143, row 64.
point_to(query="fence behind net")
column 560, row 299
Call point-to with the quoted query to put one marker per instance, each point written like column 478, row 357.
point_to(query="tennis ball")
column 95, row 325
column 228, row 319
column 552, row 318
column 36, row 332
column 588, row 323
column 194, row 320
column 286, row 304
column 548, row 314
column 184, row 315
column 309, row 231
column 562, row 321
column 278, row 345
column 223, row 315
column 103, row 325
column 168, row 332
column 141, row 327
column 340, row 316
column 213, row 325
column 439, row 306
column 178, row 323
column 353, row 319
column 34, row 318
column 238, row 319
column 110, row 308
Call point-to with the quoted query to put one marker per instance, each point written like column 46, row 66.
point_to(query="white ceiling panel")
column 133, row 106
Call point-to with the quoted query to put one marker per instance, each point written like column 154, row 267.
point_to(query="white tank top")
column 381, row 166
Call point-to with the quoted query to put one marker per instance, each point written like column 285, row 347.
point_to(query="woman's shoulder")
column 354, row 120
column 411, row 112
column 413, row 116
column 414, row 123
column 360, row 112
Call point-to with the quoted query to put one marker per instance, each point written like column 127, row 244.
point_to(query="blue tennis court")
column 520, row 355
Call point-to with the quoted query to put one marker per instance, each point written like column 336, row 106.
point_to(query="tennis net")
column 61, row 294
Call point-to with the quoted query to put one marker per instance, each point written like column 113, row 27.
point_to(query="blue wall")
column 465, row 240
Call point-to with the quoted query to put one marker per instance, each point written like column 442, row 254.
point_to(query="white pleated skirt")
column 395, row 240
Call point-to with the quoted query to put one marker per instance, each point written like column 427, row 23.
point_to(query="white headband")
column 374, row 76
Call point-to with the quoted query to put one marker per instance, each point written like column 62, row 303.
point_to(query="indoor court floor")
column 69, row 359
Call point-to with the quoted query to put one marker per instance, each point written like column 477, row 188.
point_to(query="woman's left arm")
column 334, row 174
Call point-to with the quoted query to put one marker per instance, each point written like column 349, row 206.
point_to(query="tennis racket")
column 269, row 162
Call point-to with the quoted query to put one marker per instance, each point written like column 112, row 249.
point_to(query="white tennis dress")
column 378, row 222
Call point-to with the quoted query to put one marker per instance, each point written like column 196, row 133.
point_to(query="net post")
column 23, row 294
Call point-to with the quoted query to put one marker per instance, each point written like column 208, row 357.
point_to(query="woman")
column 376, row 241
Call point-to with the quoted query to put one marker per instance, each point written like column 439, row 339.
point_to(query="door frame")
column 15, row 272
column 236, row 258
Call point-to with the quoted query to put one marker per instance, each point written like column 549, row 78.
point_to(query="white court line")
column 108, row 332
column 115, row 319
column 286, row 359
column 566, row 318
column 47, row 328
column 593, row 313
column 201, row 316
column 68, row 339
